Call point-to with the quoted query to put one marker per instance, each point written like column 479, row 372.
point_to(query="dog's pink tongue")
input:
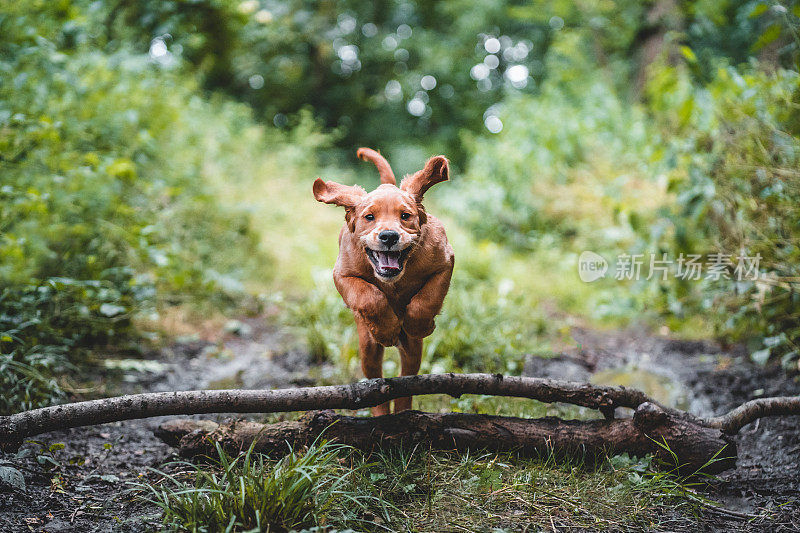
column 388, row 261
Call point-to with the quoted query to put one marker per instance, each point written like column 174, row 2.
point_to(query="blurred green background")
column 159, row 155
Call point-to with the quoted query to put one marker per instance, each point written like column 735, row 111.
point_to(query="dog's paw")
column 418, row 322
column 385, row 336
column 418, row 327
column 384, row 327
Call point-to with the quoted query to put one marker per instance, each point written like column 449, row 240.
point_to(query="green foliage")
column 565, row 165
column 706, row 165
column 357, row 63
column 130, row 181
column 737, row 192
column 322, row 318
column 487, row 325
column 108, row 201
column 776, row 28
column 90, row 179
column 251, row 493
column 43, row 325
column 30, row 384
column 360, row 64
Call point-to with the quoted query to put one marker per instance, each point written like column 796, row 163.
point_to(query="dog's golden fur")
column 394, row 290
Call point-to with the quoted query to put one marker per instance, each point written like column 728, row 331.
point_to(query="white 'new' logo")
column 591, row 266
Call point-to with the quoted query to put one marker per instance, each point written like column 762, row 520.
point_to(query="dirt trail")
column 85, row 492
column 706, row 380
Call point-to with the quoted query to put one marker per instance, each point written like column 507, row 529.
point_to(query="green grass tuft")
column 338, row 487
column 251, row 493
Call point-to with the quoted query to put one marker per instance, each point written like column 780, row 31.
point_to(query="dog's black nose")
column 389, row 238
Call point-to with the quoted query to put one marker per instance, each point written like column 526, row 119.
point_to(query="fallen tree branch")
column 15, row 428
column 694, row 440
column 650, row 431
column 735, row 420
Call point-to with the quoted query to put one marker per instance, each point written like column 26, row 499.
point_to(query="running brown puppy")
column 394, row 264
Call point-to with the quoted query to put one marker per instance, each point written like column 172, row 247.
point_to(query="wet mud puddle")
column 702, row 378
column 662, row 388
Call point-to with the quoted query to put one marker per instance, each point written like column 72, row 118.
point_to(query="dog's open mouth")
column 388, row 264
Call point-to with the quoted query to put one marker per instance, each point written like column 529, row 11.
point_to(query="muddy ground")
column 85, row 487
column 763, row 492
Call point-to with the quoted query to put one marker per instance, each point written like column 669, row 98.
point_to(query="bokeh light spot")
column 348, row 53
column 428, row 82
column 479, row 72
column 369, row 29
column 263, row 17
column 493, row 124
column 280, row 120
column 158, row 49
column 517, row 73
column 492, row 45
column 404, row 31
column 416, row 107
column 346, row 23
column 556, row 23
column 389, row 43
column 256, row 81
column 393, row 90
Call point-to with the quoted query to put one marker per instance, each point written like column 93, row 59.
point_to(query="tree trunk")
column 650, row 431
column 664, row 16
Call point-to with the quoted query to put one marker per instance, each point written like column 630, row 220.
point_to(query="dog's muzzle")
column 387, row 263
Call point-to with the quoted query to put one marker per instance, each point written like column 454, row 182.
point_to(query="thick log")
column 650, row 431
column 15, row 428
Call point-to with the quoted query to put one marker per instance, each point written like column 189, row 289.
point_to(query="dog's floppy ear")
column 347, row 196
column 330, row 192
column 436, row 170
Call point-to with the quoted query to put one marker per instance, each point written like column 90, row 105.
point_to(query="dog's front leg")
column 370, row 305
column 370, row 352
column 410, row 349
column 418, row 321
column 377, row 325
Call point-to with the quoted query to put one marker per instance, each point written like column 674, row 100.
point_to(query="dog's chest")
column 401, row 291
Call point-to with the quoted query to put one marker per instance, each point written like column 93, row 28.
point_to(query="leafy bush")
column 110, row 203
column 737, row 191
column 360, row 66
column 563, row 166
column 705, row 165
column 126, row 187
column 571, row 163
column 322, row 318
column 485, row 326
column 44, row 326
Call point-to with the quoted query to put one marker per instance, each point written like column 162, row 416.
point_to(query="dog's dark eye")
column 369, row 217
column 405, row 216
